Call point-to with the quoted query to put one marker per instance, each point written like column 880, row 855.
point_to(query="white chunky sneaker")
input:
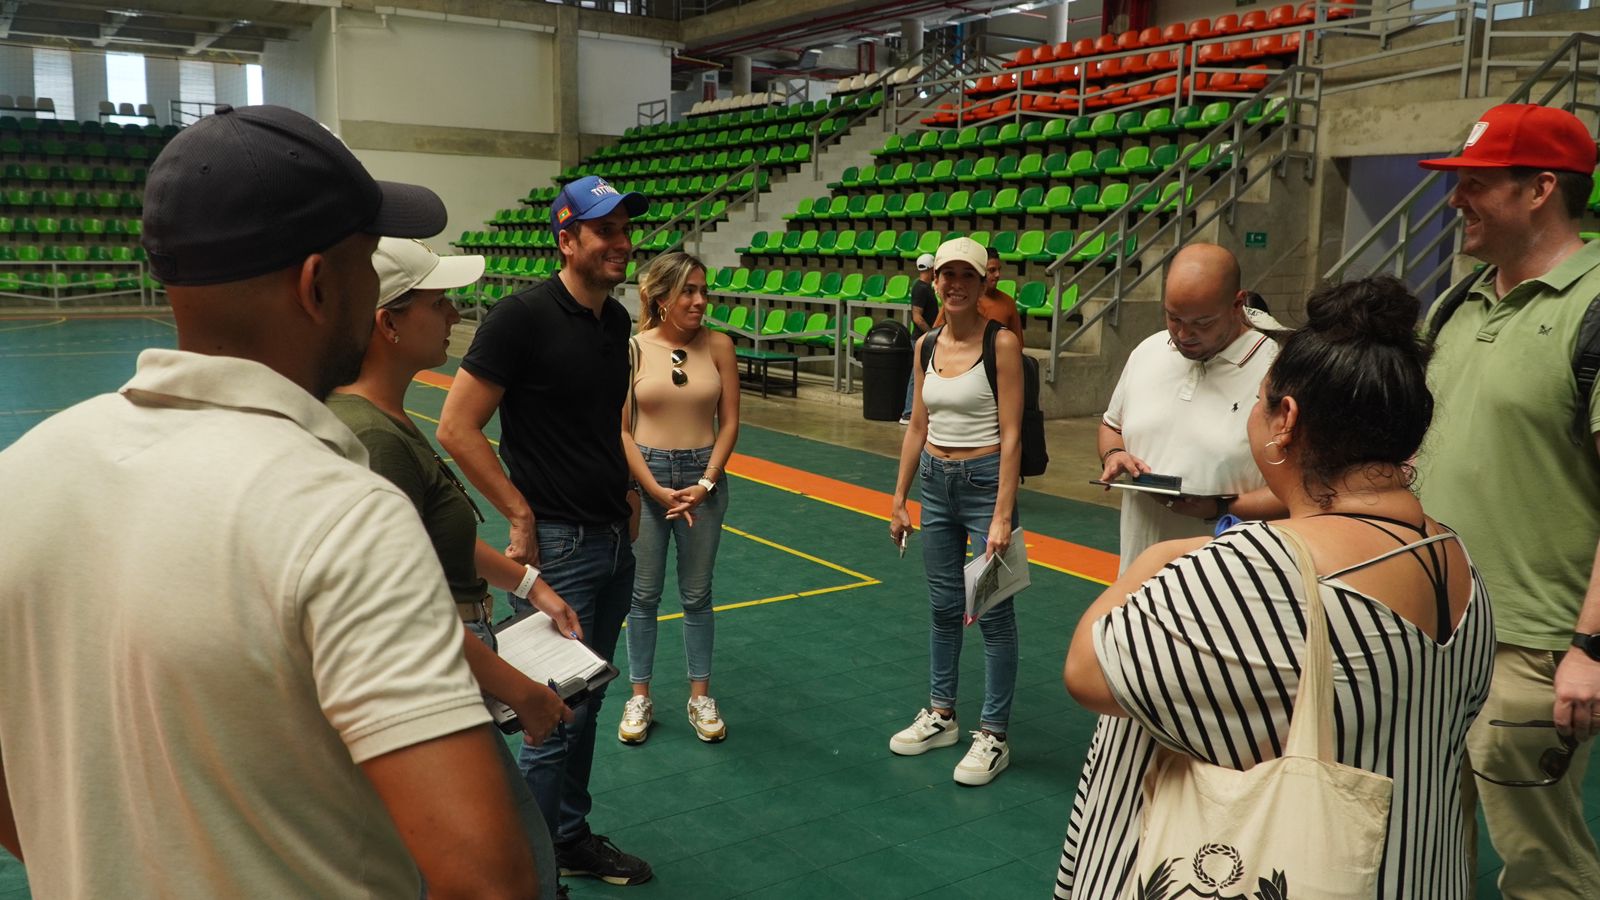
column 707, row 722
column 926, row 732
column 637, row 714
column 987, row 757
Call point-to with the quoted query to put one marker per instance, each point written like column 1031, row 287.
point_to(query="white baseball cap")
column 408, row 265
column 962, row 249
column 924, row 262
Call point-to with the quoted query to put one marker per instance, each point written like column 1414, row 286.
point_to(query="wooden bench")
column 756, row 369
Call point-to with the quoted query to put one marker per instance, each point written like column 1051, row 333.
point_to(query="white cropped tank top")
column 961, row 410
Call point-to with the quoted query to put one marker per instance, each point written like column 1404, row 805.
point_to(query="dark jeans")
column 591, row 567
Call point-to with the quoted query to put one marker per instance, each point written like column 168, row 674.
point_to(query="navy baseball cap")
column 249, row 190
column 592, row 197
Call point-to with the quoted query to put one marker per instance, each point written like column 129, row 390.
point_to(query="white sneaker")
column 637, row 714
column 708, row 725
column 987, row 757
column 905, row 420
column 926, row 732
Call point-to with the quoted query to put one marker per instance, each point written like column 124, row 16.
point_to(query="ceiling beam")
column 109, row 30
column 204, row 41
column 8, row 14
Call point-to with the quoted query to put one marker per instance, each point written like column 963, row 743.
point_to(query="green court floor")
column 804, row 799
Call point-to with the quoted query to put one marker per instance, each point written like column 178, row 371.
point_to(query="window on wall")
column 125, row 83
column 253, row 93
column 52, row 77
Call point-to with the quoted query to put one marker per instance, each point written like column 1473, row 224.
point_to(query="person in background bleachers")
column 553, row 360
column 229, row 666
column 963, row 445
column 411, row 332
column 924, row 312
column 1512, row 463
column 679, row 427
column 995, row 304
column 1180, row 406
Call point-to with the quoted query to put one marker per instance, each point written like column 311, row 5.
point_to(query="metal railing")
column 652, row 112
column 1239, row 155
column 1491, row 35
column 1420, row 225
column 694, row 214
column 185, row 112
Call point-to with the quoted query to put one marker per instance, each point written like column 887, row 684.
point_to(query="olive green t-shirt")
column 401, row 454
column 1503, row 463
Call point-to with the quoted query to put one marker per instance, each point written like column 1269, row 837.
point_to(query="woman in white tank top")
column 679, row 425
column 963, row 444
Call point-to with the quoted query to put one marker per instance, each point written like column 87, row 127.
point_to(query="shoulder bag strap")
column 990, row 329
column 633, row 375
column 1311, row 725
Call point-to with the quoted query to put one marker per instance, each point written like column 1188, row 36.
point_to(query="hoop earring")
column 1269, row 462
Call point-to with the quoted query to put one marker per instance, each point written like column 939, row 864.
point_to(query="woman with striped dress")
column 1197, row 646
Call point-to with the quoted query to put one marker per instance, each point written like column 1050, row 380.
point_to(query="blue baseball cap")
column 591, row 197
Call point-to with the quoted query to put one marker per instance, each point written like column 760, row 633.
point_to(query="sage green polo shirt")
column 1502, row 464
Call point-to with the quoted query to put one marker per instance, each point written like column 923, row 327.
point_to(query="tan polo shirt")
column 211, row 614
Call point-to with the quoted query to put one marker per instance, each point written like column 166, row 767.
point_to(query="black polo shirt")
column 565, row 374
column 924, row 298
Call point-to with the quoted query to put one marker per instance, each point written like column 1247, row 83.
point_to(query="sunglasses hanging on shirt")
column 679, row 376
column 448, row 473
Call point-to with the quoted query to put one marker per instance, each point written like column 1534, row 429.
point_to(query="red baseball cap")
column 1524, row 134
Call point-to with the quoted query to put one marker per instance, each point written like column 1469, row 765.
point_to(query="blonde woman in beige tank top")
column 679, row 425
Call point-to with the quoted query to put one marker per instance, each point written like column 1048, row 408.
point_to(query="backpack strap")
column 928, row 340
column 1449, row 303
column 1586, row 365
column 991, row 329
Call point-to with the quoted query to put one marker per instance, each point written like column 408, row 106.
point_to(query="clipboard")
column 533, row 645
column 1148, row 483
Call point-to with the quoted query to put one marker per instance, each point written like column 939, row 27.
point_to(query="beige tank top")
column 671, row 416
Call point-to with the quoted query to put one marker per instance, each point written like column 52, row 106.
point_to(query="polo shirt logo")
column 1544, row 329
column 1236, row 407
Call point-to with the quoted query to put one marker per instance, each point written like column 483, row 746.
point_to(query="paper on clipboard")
column 535, row 647
column 991, row 580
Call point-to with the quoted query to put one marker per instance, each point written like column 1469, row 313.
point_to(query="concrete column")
column 161, row 85
column 568, row 152
column 16, row 71
column 1056, row 22
column 741, row 75
column 230, row 84
column 89, row 85
column 911, row 37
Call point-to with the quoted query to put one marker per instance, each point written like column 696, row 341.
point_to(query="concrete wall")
column 615, row 75
column 472, row 187
column 289, row 75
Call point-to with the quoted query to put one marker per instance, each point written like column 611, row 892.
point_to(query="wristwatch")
column 1588, row 643
column 708, row 484
column 1222, row 508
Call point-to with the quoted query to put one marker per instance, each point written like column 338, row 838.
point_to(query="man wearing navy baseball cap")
column 229, row 663
column 553, row 359
column 1512, row 464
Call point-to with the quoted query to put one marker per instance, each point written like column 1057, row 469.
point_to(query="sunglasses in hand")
column 1553, row 762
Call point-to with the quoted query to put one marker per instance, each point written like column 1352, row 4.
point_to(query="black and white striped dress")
column 1206, row 659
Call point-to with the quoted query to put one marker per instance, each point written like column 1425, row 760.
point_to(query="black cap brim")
column 408, row 211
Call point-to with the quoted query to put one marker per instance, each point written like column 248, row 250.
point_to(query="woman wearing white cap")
column 411, row 330
column 963, row 444
column 679, row 426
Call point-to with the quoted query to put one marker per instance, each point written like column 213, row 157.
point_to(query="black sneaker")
column 597, row 857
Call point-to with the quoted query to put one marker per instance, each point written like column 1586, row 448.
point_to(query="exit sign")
column 1255, row 239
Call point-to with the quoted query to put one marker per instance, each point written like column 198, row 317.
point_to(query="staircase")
column 716, row 248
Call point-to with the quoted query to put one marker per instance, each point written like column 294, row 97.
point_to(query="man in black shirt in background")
column 924, row 309
column 553, row 359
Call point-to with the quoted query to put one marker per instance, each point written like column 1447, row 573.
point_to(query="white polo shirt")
column 211, row 613
column 1186, row 418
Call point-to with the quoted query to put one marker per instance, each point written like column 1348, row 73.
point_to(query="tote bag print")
column 1299, row 827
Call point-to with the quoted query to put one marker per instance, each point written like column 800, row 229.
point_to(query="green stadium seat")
column 1027, row 247
column 871, row 207
column 1186, row 118
column 1212, row 115
column 959, row 204
column 872, row 287
column 1153, row 122
column 1030, row 166
column 1003, row 242
column 802, row 210
column 928, row 243
column 1005, row 199
column 1134, row 159
column 982, row 170
column 1029, row 197
column 1007, row 166
column 913, row 206
column 980, row 237
column 1104, row 161
column 808, row 242
column 935, row 206
column 1081, row 164
column 1056, row 131
column 882, row 245
column 757, row 245
column 810, row 286
column 1030, row 297
column 849, row 288
column 1112, row 197
column 845, row 245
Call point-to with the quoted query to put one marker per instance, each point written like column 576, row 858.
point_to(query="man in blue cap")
column 553, row 359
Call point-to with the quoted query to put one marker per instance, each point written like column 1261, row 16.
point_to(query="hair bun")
column 1379, row 308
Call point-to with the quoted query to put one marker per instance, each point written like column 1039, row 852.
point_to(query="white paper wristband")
column 529, row 576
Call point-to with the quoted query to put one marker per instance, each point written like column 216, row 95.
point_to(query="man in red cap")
column 1512, row 464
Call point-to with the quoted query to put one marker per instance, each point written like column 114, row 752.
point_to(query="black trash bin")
column 885, row 366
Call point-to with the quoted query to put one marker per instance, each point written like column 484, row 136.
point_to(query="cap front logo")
column 602, row 189
column 1477, row 132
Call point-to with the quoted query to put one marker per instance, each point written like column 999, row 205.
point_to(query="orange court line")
column 1065, row 556
column 1074, row 559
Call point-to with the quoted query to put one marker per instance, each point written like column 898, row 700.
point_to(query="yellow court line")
column 765, row 600
column 793, row 552
column 49, row 324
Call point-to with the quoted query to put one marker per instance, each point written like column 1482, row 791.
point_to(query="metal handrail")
column 1231, row 137
column 1410, row 220
column 695, row 206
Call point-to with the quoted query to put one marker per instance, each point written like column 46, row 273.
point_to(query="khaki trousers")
column 1539, row 832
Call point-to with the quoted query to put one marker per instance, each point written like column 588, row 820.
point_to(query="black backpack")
column 1585, row 354
column 1035, row 456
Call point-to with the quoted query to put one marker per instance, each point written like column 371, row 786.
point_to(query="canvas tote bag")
column 1300, row 827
